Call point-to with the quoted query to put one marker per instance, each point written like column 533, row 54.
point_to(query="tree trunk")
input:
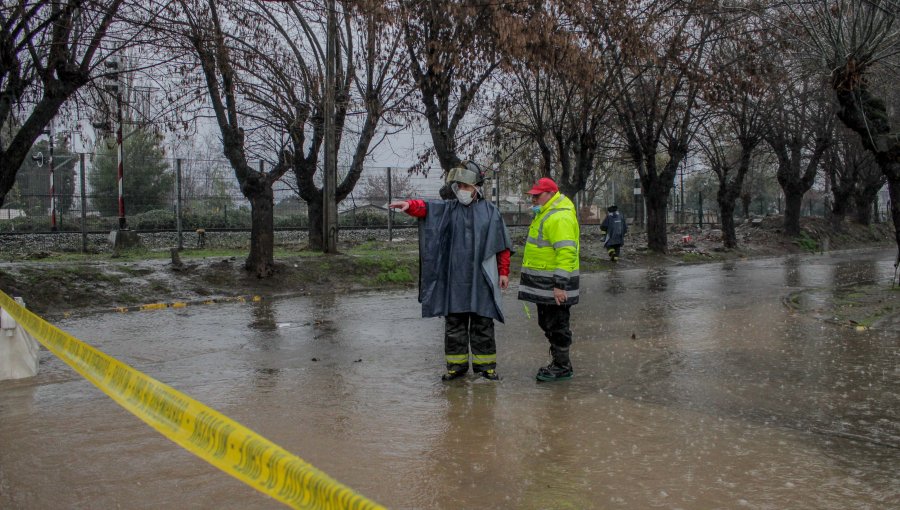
column 12, row 157
column 867, row 115
column 261, row 259
column 657, row 238
column 839, row 208
column 726, row 213
column 746, row 200
column 316, row 213
column 793, row 201
column 729, row 236
column 862, row 214
column 894, row 193
column 837, row 218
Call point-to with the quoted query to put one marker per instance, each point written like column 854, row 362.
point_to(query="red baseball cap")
column 543, row 185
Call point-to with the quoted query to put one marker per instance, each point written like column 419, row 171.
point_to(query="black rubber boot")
column 554, row 372
column 489, row 374
column 560, row 369
column 453, row 374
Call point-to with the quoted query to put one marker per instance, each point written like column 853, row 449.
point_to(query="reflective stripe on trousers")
column 468, row 331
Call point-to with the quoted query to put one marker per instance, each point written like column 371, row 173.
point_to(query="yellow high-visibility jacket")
column 551, row 253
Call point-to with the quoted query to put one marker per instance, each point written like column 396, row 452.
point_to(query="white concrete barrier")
column 19, row 351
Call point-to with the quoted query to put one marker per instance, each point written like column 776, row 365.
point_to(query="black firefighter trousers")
column 462, row 330
column 554, row 321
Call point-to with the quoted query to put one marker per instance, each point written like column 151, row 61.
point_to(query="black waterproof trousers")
column 465, row 330
column 614, row 251
column 554, row 320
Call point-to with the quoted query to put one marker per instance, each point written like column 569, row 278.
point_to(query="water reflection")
column 323, row 316
column 859, row 272
column 263, row 316
column 658, row 279
column 792, row 272
column 615, row 284
column 696, row 388
column 551, row 475
column 266, row 378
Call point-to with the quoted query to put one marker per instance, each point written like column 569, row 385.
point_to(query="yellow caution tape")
column 208, row 434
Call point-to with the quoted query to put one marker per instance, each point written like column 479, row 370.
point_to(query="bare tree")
column 857, row 42
column 799, row 131
column 738, row 107
column 48, row 50
column 451, row 55
column 854, row 176
column 870, row 180
column 214, row 47
column 286, row 83
column 760, row 183
column 566, row 118
column 375, row 187
column 660, row 52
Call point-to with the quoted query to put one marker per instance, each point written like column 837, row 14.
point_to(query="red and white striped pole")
column 121, row 160
column 53, row 226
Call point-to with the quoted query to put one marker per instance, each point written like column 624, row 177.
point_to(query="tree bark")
column 838, row 213
column 656, row 202
column 261, row 259
column 894, row 193
column 66, row 67
column 726, row 197
column 793, row 201
column 862, row 214
column 746, row 199
column 867, row 116
column 316, row 232
column 726, row 211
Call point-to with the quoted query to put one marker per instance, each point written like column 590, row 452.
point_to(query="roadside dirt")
column 62, row 288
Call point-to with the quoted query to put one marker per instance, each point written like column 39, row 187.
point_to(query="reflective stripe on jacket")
column 551, row 253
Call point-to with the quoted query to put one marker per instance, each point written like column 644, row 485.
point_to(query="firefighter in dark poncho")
column 615, row 228
column 464, row 251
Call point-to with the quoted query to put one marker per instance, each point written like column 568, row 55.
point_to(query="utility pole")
column 390, row 211
column 84, row 239
column 120, row 154
column 113, row 85
column 496, row 182
column 329, row 204
column 178, row 204
column 700, row 212
column 681, row 202
column 637, row 195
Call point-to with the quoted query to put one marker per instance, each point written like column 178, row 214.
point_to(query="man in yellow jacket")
column 550, row 272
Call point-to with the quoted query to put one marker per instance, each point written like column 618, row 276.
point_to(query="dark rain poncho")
column 615, row 227
column 458, row 248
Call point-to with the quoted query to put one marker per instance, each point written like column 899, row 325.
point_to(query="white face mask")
column 464, row 197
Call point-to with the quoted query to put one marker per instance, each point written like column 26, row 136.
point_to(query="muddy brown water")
column 695, row 387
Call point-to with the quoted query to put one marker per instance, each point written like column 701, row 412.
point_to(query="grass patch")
column 807, row 243
column 395, row 275
column 694, row 258
column 159, row 286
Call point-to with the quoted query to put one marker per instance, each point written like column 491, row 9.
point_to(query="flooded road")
column 695, row 387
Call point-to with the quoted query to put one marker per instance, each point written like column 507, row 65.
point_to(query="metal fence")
column 206, row 195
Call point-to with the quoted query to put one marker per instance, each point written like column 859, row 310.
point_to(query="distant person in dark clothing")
column 615, row 228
